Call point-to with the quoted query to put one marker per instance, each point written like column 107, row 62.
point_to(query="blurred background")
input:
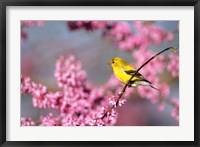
column 44, row 44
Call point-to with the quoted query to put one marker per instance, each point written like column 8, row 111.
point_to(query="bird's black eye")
column 113, row 62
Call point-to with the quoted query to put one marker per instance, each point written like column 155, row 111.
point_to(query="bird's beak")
column 109, row 62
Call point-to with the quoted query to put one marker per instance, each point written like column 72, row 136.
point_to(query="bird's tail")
column 142, row 82
column 147, row 83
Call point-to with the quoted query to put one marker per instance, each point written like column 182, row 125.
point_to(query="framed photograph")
column 99, row 73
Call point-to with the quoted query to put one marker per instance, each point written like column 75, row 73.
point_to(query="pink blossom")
column 161, row 107
column 94, row 121
column 140, row 42
column 175, row 111
column 26, row 85
column 88, row 25
column 133, row 42
column 111, row 117
column 99, row 24
column 108, row 115
column 114, row 101
column 155, row 33
column 49, row 120
column 164, row 89
column 169, row 36
column 71, row 121
column 173, row 65
column 68, row 72
column 119, row 31
column 121, row 102
column 42, row 98
column 38, row 91
column 52, row 100
column 27, row 122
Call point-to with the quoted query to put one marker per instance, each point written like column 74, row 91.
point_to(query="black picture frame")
column 5, row 3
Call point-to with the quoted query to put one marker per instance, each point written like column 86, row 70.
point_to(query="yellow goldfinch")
column 124, row 71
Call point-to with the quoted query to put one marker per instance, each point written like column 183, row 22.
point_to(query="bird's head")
column 116, row 61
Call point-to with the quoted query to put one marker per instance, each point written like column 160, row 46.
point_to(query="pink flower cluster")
column 29, row 23
column 68, row 72
column 120, row 34
column 175, row 111
column 88, row 25
column 27, row 122
column 50, row 120
column 41, row 97
column 154, row 33
column 173, row 65
column 78, row 102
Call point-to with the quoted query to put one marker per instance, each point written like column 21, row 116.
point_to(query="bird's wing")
column 132, row 72
column 139, row 78
column 128, row 69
